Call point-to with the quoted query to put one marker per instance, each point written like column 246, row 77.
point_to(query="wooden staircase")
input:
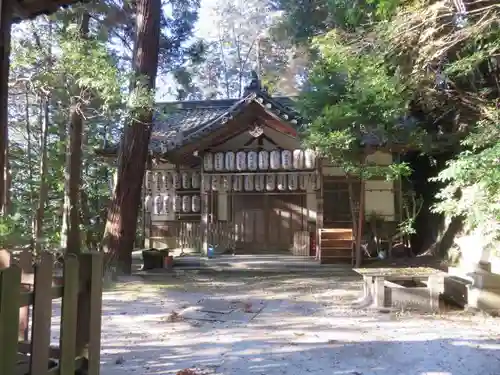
column 336, row 245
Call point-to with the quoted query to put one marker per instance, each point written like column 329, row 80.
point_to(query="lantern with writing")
column 309, row 159
column 147, row 180
column 230, row 160
column 158, row 205
column 167, row 179
column 215, row 183
column 195, row 180
column 225, row 183
column 275, row 159
column 252, row 160
column 176, row 180
column 196, row 203
column 298, row 159
column 186, row 180
column 148, row 202
column 293, row 181
column 286, row 159
column 281, row 182
column 177, row 203
column 208, row 161
column 259, row 182
column 303, row 182
column 206, row 183
column 166, row 204
column 270, row 182
column 186, row 203
column 241, row 160
column 248, row 182
column 237, row 183
column 263, row 160
column 219, row 161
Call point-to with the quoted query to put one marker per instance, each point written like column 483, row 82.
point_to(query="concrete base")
column 478, row 289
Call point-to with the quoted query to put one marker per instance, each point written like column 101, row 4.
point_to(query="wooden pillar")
column 319, row 209
column 204, row 213
column 5, row 26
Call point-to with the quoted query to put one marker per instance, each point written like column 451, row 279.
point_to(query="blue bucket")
column 210, row 252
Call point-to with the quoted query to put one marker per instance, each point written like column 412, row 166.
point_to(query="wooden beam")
column 5, row 34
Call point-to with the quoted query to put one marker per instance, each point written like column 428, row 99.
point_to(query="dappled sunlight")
column 301, row 329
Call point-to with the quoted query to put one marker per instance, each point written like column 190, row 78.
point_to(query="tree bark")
column 71, row 214
column 5, row 25
column 43, row 192
column 121, row 225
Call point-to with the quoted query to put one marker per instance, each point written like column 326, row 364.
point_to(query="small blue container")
column 210, row 252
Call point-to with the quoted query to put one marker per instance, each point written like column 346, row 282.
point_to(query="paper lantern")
column 186, row 203
column 298, row 159
column 186, row 180
column 275, row 159
column 229, row 161
column 225, row 183
column 196, row 203
column 219, row 161
column 167, row 178
column 286, row 159
column 206, row 183
column 259, row 182
column 158, row 181
column 313, row 181
column 148, row 203
column 166, row 204
column 252, row 161
column 237, row 183
column 303, row 179
column 158, row 205
column 215, row 183
column 241, row 160
column 248, row 183
column 177, row 203
column 176, row 180
column 281, row 182
column 195, row 180
column 270, row 182
column 147, row 180
column 293, row 181
column 263, row 160
column 208, row 161
column 309, row 159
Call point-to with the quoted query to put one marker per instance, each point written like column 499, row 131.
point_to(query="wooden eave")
column 28, row 9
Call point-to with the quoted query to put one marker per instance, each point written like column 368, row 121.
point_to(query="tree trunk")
column 73, row 175
column 119, row 235
column 5, row 23
column 42, row 194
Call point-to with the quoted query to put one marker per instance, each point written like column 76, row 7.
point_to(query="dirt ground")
column 305, row 327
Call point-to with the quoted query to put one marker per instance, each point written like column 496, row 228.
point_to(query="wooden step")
column 335, row 243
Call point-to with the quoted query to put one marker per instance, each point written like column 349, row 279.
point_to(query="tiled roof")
column 180, row 123
column 32, row 8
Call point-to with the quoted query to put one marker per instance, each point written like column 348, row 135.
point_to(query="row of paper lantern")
column 168, row 180
column 269, row 182
column 262, row 160
column 163, row 204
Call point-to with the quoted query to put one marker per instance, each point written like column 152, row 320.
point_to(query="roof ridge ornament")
column 255, row 84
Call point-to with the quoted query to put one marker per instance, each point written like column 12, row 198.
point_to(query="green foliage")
column 472, row 181
column 352, row 97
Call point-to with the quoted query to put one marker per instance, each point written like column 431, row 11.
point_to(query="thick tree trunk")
column 5, row 22
column 121, row 223
column 43, row 192
column 73, row 175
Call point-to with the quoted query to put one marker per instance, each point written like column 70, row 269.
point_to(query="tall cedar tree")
column 121, row 223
